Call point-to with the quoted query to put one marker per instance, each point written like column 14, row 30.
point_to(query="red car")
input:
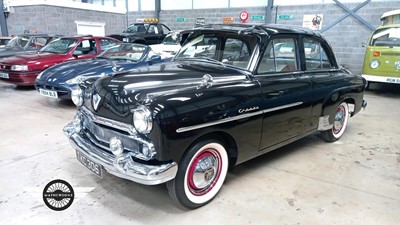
column 23, row 69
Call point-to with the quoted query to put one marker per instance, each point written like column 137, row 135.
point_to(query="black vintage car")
column 143, row 33
column 233, row 92
column 26, row 43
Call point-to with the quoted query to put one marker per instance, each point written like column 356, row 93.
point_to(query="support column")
column 268, row 13
column 3, row 22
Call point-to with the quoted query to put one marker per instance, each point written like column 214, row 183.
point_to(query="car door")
column 320, row 66
column 286, row 93
column 153, row 35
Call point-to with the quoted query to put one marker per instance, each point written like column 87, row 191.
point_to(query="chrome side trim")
column 282, row 107
column 230, row 119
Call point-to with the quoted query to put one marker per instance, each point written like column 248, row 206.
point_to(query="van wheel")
column 339, row 124
column 200, row 175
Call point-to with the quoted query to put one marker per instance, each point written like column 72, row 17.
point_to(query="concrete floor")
column 353, row 181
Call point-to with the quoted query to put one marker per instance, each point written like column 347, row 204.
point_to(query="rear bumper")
column 122, row 166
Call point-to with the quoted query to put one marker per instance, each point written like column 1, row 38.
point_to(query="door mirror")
column 77, row 53
column 364, row 44
column 155, row 57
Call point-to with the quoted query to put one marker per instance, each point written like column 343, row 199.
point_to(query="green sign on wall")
column 284, row 17
column 181, row 19
column 257, row 17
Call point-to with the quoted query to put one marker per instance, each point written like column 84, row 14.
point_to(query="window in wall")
column 133, row 5
column 120, row 3
column 206, row 4
column 315, row 55
column 176, row 4
column 241, row 3
column 280, row 56
column 147, row 5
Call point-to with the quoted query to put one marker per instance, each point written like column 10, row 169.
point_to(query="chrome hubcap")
column 204, row 172
column 339, row 119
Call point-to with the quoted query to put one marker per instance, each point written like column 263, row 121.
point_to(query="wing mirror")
column 363, row 44
column 155, row 57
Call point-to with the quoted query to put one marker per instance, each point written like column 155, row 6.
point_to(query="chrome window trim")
column 239, row 117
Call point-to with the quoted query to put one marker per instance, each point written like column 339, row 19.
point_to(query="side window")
column 205, row 47
column 315, row 55
column 280, row 56
column 153, row 29
column 236, row 52
column 106, row 43
column 165, row 30
column 87, row 47
column 39, row 42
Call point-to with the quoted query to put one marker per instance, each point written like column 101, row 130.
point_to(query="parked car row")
column 74, row 58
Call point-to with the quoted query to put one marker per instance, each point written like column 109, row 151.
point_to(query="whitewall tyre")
column 340, row 121
column 201, row 174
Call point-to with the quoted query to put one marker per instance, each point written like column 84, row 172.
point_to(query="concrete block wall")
column 60, row 20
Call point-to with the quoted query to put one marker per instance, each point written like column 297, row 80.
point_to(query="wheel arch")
column 226, row 140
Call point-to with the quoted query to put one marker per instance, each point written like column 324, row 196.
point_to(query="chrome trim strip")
column 230, row 119
column 110, row 123
column 282, row 107
column 189, row 128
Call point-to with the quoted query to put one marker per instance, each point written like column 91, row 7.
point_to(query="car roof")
column 87, row 37
column 40, row 35
column 266, row 29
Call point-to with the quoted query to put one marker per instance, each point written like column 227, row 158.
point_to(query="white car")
column 169, row 46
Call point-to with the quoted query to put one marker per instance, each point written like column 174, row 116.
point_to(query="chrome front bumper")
column 122, row 166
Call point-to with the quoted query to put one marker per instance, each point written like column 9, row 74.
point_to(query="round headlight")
column 142, row 119
column 77, row 96
column 374, row 64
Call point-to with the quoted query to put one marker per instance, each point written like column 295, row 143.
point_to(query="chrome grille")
column 101, row 135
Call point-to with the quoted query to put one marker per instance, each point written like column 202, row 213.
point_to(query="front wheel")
column 339, row 124
column 200, row 176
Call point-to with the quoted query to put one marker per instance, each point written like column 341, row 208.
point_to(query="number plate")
column 393, row 80
column 92, row 166
column 48, row 93
column 4, row 75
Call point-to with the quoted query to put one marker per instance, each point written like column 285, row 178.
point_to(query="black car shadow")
column 157, row 198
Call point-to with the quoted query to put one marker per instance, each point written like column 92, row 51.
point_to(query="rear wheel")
column 339, row 124
column 200, row 176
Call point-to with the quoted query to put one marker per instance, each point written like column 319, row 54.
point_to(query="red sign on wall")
column 244, row 16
